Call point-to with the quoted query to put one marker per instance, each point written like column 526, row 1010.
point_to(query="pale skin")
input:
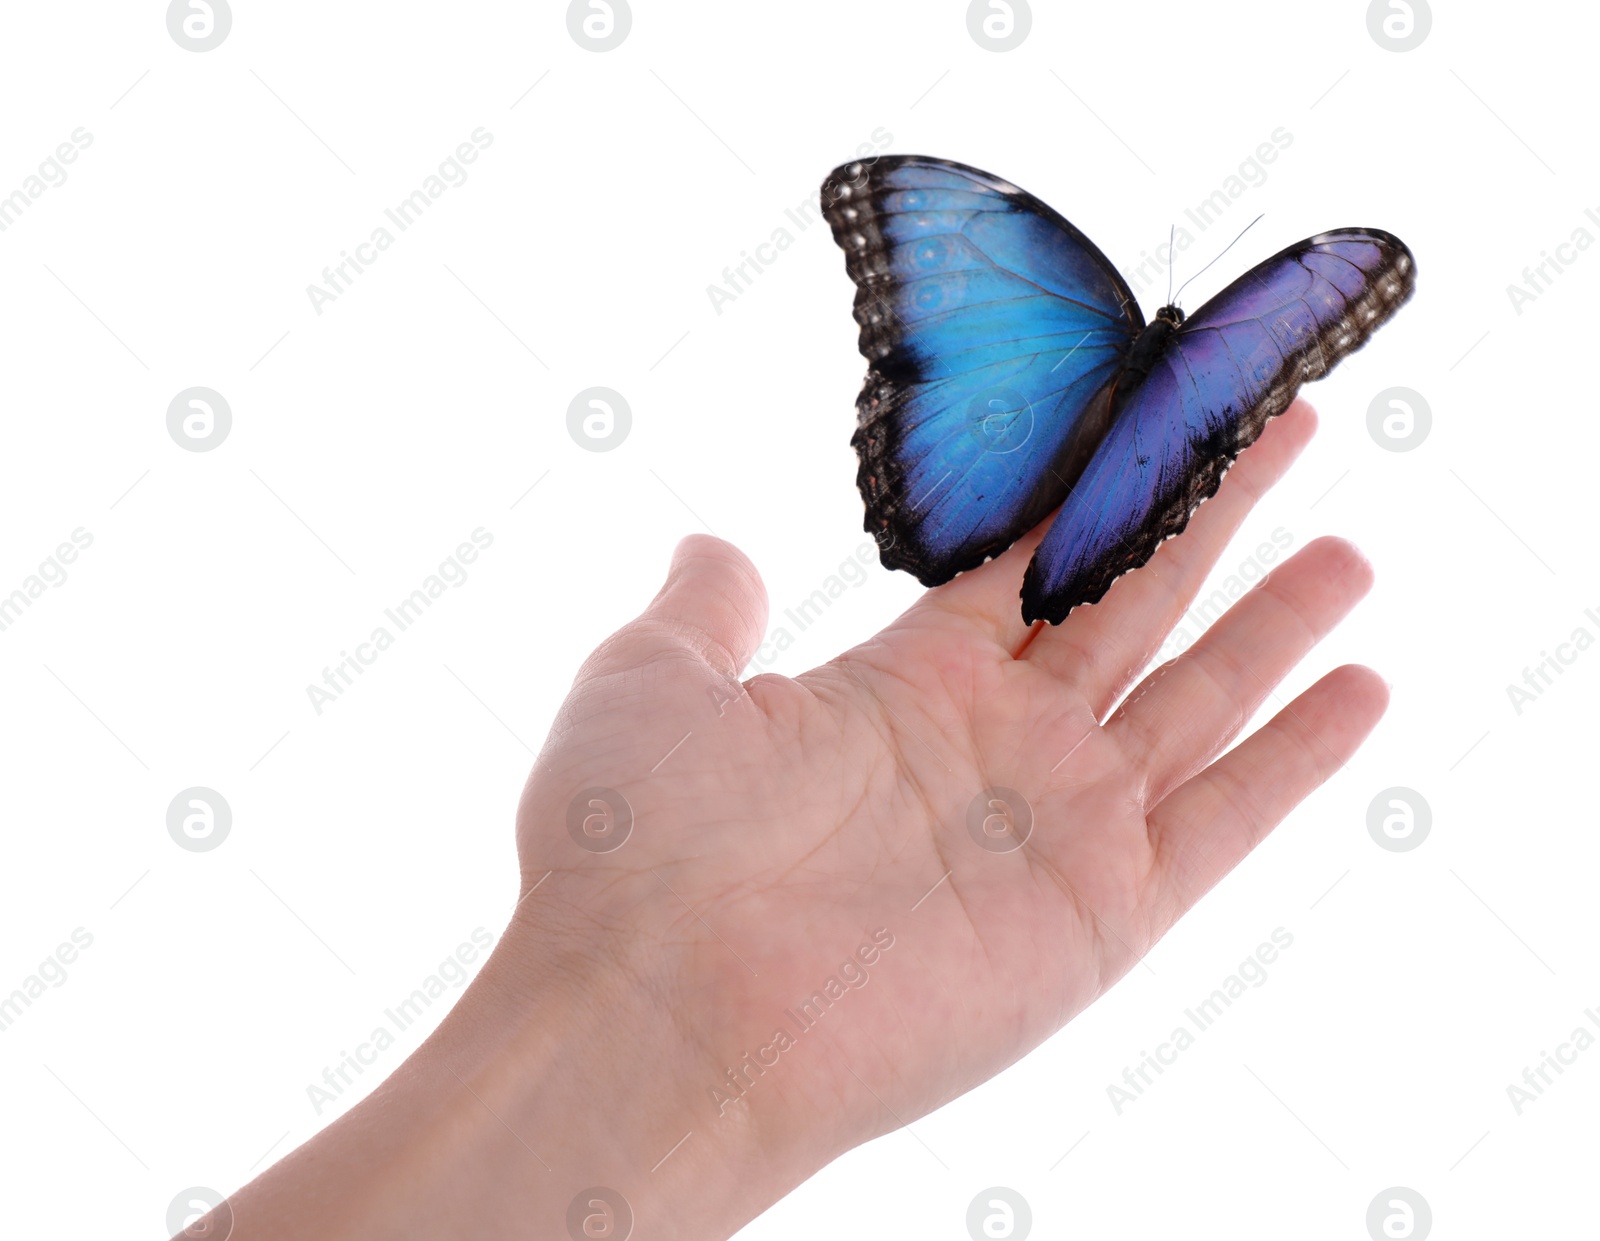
column 799, row 817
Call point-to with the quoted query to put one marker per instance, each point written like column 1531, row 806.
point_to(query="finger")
column 1208, row 825
column 1187, row 711
column 713, row 605
column 1100, row 649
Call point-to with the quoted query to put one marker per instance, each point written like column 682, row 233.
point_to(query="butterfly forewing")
column 994, row 330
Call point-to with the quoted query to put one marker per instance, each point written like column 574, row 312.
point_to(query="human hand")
column 627, row 1032
column 778, row 827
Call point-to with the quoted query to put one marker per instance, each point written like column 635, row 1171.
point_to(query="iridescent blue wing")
column 994, row 330
column 1235, row 363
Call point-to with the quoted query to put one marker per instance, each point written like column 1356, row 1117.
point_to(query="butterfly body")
column 1148, row 346
column 1012, row 374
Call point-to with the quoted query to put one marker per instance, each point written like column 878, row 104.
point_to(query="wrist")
column 582, row 1089
column 529, row 1094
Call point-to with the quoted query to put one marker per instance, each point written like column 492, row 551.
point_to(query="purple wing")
column 1238, row 361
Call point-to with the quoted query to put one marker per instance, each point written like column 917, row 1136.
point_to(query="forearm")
column 525, row 1096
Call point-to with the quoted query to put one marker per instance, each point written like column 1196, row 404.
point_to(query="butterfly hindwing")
column 1232, row 365
column 994, row 330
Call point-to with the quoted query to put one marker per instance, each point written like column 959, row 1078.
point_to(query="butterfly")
column 1012, row 374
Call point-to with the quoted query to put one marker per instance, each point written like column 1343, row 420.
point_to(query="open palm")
column 963, row 787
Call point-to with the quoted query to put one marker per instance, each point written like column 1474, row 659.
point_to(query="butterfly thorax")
column 1149, row 344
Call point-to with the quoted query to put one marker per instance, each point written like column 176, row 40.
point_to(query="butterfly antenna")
column 1225, row 249
column 1171, row 237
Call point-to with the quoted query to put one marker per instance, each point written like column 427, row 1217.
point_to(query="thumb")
column 713, row 603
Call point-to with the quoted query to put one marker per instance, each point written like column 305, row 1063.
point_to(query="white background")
column 369, row 440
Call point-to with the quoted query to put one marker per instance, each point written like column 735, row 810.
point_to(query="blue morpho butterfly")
column 1012, row 373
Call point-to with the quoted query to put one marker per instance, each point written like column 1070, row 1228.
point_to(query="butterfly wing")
column 1235, row 363
column 994, row 330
